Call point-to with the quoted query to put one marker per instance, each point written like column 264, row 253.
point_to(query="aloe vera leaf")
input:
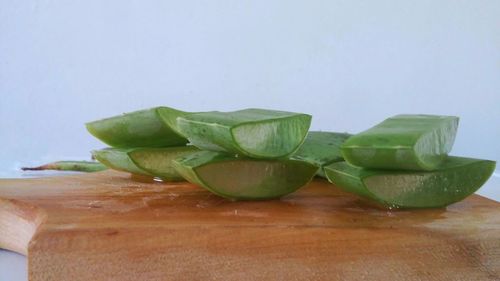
column 118, row 159
column 77, row 166
column 256, row 133
column 403, row 142
column 240, row 178
column 158, row 161
column 321, row 149
column 154, row 162
column 456, row 179
column 143, row 128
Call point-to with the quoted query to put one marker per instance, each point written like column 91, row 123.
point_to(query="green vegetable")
column 240, row 178
column 77, row 166
column 403, row 142
column 155, row 162
column 256, row 133
column 118, row 159
column 169, row 116
column 321, row 149
column 144, row 128
column 158, row 161
column 456, row 179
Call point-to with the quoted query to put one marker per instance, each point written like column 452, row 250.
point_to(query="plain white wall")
column 349, row 63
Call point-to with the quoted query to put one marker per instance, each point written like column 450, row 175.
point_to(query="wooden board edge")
column 19, row 222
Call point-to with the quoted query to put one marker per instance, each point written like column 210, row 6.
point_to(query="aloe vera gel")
column 403, row 142
column 256, row 133
column 258, row 154
column 403, row 162
column 240, row 178
column 456, row 179
column 154, row 162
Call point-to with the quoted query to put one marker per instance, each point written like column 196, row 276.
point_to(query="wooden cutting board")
column 109, row 226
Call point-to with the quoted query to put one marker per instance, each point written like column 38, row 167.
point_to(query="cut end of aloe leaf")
column 403, row 142
column 158, row 161
column 143, row 128
column 153, row 162
column 118, row 159
column 256, row 133
column 456, row 179
column 239, row 178
column 272, row 138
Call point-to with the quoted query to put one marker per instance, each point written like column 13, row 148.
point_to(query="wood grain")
column 109, row 226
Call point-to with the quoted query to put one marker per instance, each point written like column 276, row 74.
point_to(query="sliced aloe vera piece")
column 144, row 128
column 257, row 133
column 118, row 159
column 456, row 179
column 155, row 162
column 158, row 161
column 321, row 149
column 403, row 142
column 240, row 178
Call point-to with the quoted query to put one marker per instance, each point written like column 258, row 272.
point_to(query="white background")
column 348, row 63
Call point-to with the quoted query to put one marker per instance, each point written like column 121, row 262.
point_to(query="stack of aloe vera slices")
column 142, row 142
column 403, row 162
column 240, row 155
column 256, row 154
column 245, row 153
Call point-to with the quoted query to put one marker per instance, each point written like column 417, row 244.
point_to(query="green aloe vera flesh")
column 143, row 128
column 154, row 162
column 456, row 179
column 403, row 142
column 256, row 133
column 158, row 161
column 238, row 178
column 321, row 148
column 118, row 159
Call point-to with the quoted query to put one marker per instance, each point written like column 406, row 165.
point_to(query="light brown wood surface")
column 109, row 226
